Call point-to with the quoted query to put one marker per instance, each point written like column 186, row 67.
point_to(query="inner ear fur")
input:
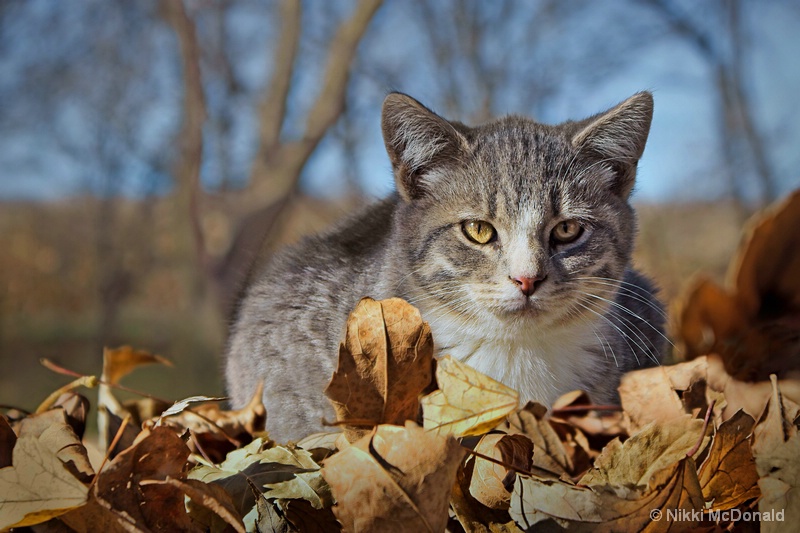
column 417, row 141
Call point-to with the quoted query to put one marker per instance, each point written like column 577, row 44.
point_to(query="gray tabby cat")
column 512, row 238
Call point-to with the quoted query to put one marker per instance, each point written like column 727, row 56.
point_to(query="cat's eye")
column 479, row 231
column 567, row 231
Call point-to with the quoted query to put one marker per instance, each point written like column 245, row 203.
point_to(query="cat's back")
column 291, row 314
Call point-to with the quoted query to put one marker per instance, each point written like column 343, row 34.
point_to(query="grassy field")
column 60, row 267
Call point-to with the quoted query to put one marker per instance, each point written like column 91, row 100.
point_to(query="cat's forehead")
column 519, row 140
column 519, row 167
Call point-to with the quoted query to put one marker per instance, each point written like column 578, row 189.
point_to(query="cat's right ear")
column 418, row 142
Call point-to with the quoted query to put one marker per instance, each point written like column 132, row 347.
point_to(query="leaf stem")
column 705, row 427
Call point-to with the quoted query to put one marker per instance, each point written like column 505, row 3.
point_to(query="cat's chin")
column 521, row 308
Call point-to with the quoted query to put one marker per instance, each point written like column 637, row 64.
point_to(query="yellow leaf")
column 467, row 402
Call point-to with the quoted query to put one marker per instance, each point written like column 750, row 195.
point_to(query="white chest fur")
column 540, row 363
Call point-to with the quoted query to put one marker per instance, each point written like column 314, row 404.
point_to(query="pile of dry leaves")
column 428, row 445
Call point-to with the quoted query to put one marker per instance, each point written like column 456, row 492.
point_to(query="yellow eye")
column 479, row 231
column 567, row 231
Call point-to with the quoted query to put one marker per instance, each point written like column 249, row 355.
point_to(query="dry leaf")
column 662, row 393
column 385, row 364
column 395, row 479
column 44, row 481
column 491, row 483
column 536, row 500
column 753, row 323
column 584, row 431
column 7, row 441
column 467, row 402
column 600, row 424
column 728, row 476
column 776, row 446
column 549, row 452
column 629, row 466
column 304, row 517
column 215, row 431
column 118, row 363
column 648, row 395
column 212, row 498
column 629, row 480
column 181, row 405
column 277, row 472
column 122, row 500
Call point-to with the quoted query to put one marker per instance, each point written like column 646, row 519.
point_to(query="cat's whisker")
column 603, row 346
column 625, row 337
column 629, row 294
column 643, row 341
column 400, row 282
column 620, row 285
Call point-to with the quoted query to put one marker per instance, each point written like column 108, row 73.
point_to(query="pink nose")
column 528, row 285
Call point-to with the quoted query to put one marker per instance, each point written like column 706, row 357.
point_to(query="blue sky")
column 681, row 162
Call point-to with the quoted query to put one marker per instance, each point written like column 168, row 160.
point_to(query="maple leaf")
column 467, row 402
column 394, row 479
column 593, row 509
column 44, row 480
column 385, row 363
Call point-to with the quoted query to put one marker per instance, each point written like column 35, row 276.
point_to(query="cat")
column 514, row 240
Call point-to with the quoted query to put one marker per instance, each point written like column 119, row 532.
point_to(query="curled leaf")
column 491, row 483
column 395, row 479
column 385, row 363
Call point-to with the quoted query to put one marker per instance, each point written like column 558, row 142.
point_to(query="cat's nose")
column 528, row 285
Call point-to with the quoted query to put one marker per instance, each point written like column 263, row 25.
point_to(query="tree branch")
column 190, row 138
column 272, row 110
column 331, row 99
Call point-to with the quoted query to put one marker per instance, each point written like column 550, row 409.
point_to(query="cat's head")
column 502, row 221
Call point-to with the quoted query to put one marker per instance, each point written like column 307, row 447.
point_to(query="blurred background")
column 150, row 151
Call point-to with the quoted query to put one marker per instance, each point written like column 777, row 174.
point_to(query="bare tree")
column 279, row 160
column 721, row 46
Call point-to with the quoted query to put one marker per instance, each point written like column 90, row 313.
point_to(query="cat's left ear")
column 618, row 136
